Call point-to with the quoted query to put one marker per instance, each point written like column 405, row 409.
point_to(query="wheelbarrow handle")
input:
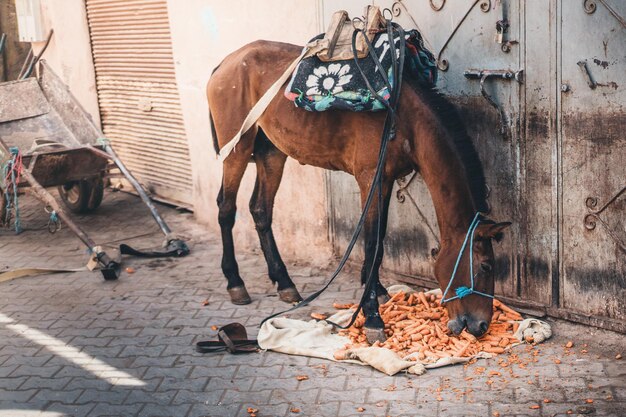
column 110, row 269
column 146, row 199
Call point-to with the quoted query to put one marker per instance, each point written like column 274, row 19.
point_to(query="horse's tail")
column 216, row 145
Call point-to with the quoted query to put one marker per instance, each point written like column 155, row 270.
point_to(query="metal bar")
column 586, row 74
column 396, row 10
column 36, row 58
column 611, row 10
column 100, row 152
column 402, row 193
column 109, row 268
column 590, row 8
column 437, row 7
column 483, row 75
column 3, row 41
column 147, row 201
column 49, row 200
column 443, row 64
column 594, row 216
column 29, row 56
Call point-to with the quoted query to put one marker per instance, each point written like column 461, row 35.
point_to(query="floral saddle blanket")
column 318, row 86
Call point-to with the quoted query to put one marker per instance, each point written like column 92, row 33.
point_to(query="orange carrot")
column 319, row 316
column 422, row 298
column 411, row 300
column 508, row 310
column 396, row 297
column 461, row 351
column 492, row 349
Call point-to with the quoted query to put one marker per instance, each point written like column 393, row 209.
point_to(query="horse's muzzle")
column 474, row 326
column 457, row 325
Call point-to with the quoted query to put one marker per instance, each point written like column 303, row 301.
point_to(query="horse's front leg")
column 374, row 235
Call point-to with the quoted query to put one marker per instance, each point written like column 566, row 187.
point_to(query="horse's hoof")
column 374, row 335
column 239, row 296
column 289, row 295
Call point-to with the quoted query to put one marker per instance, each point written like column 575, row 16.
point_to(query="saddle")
column 328, row 77
column 336, row 45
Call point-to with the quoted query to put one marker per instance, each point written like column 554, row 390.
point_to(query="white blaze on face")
column 58, row 347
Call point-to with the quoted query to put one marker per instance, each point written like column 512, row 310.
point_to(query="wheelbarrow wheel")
column 82, row 196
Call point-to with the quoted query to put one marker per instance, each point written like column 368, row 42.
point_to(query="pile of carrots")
column 416, row 325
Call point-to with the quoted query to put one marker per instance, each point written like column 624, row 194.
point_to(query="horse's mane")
column 466, row 151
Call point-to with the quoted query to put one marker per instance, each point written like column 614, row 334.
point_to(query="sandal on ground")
column 233, row 338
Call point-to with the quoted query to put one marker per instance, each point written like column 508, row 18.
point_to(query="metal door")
column 138, row 94
column 593, row 159
column 463, row 37
column 560, row 172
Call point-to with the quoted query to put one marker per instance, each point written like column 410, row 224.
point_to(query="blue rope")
column 463, row 291
column 103, row 141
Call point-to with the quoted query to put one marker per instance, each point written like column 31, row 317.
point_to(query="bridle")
column 462, row 291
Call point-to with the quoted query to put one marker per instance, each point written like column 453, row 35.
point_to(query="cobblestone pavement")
column 74, row 345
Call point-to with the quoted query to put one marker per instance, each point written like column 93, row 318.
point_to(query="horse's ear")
column 493, row 231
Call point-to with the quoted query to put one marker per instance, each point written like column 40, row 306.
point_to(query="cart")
column 48, row 140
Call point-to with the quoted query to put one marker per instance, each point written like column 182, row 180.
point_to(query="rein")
column 387, row 135
column 462, row 291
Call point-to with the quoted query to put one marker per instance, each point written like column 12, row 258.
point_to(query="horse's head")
column 467, row 308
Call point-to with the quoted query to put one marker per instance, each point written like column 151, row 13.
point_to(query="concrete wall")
column 203, row 33
column 69, row 52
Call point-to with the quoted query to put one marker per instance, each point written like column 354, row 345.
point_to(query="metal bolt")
column 564, row 87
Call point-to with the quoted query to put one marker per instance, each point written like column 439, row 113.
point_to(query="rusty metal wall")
column 138, row 94
column 560, row 159
column 592, row 116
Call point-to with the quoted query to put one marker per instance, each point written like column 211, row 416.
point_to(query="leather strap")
column 259, row 108
column 387, row 135
column 230, row 346
column 31, row 272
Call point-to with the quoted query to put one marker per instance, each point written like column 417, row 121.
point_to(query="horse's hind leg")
column 270, row 163
column 234, row 167
column 374, row 325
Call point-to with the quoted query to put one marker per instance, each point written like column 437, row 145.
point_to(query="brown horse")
column 428, row 132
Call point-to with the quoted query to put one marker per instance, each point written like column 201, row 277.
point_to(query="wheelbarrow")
column 48, row 140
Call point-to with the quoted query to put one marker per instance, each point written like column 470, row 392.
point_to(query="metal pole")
column 109, row 268
column 3, row 39
column 148, row 202
column 36, row 58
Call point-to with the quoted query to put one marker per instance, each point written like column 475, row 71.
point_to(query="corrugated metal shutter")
column 138, row 95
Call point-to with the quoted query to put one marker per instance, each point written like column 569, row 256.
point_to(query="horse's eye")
column 485, row 267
